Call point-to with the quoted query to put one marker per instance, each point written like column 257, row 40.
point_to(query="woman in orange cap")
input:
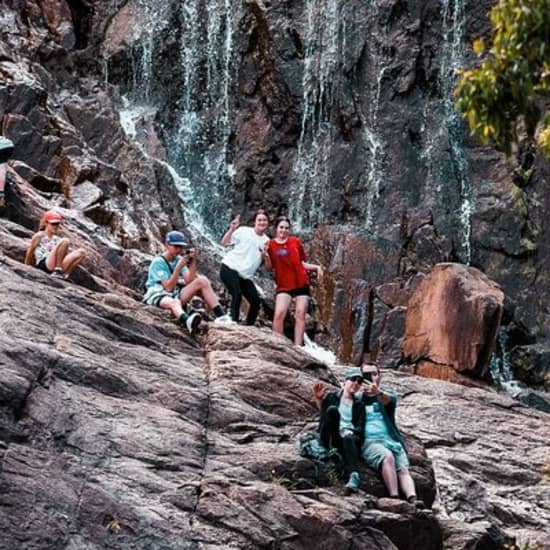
column 49, row 251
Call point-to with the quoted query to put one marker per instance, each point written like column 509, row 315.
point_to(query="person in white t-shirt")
column 241, row 263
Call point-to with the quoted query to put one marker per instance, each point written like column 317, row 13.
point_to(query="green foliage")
column 512, row 82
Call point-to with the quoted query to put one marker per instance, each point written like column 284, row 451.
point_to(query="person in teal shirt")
column 384, row 447
column 173, row 280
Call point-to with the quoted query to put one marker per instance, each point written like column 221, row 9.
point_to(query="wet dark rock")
column 531, row 364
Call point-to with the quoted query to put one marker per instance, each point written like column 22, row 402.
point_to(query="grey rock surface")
column 118, row 430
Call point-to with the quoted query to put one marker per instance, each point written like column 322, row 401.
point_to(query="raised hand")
column 320, row 389
column 370, row 388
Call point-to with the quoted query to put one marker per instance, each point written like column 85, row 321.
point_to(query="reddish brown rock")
column 443, row 372
column 452, row 321
column 57, row 17
column 355, row 264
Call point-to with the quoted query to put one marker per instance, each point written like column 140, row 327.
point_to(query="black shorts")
column 302, row 291
column 42, row 265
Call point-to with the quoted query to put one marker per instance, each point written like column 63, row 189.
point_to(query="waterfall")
column 450, row 134
column 454, row 23
column 154, row 20
column 323, row 62
column 500, row 368
column 196, row 123
column 374, row 144
column 199, row 147
column 329, row 22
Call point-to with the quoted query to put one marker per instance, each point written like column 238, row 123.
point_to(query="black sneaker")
column 192, row 323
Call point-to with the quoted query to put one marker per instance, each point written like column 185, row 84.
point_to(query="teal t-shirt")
column 377, row 429
column 375, row 426
column 159, row 270
column 345, row 410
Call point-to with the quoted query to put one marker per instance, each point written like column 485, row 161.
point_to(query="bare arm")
column 170, row 283
column 320, row 390
column 226, row 239
column 314, row 267
column 266, row 260
column 373, row 390
column 29, row 256
column 191, row 272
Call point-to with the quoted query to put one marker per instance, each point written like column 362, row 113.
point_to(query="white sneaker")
column 224, row 320
column 192, row 322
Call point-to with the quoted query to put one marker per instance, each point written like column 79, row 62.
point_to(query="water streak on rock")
column 198, row 131
column 323, row 62
column 450, row 135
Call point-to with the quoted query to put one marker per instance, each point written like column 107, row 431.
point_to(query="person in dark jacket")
column 384, row 447
column 342, row 422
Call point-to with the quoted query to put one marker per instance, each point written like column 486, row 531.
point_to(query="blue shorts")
column 374, row 452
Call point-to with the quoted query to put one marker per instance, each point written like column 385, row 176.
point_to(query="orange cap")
column 51, row 216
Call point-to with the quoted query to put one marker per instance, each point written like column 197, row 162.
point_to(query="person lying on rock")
column 242, row 261
column 342, row 422
column 287, row 258
column 6, row 173
column 173, row 280
column 49, row 250
column 384, row 446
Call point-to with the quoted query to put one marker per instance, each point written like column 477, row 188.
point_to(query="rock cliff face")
column 336, row 112
column 117, row 430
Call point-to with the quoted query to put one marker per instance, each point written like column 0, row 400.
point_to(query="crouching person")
column 342, row 422
column 384, row 446
column 173, row 280
column 49, row 248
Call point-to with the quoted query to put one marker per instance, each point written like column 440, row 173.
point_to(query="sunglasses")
column 357, row 379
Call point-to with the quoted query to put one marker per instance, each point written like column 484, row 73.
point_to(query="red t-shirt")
column 286, row 260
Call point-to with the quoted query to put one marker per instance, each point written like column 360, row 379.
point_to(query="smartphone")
column 367, row 376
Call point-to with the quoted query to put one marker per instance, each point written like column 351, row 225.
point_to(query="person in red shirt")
column 288, row 260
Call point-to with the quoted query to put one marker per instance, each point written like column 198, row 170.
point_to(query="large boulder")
column 452, row 322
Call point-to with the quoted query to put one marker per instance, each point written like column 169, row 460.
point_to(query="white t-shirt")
column 246, row 255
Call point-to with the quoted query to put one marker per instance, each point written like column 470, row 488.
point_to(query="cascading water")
column 323, row 62
column 452, row 129
column 199, row 148
column 196, row 124
column 329, row 22
column 501, row 369
column 154, row 20
column 374, row 144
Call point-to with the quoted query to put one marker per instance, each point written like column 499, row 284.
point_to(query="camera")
column 367, row 376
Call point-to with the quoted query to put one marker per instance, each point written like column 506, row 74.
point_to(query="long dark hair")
column 282, row 219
